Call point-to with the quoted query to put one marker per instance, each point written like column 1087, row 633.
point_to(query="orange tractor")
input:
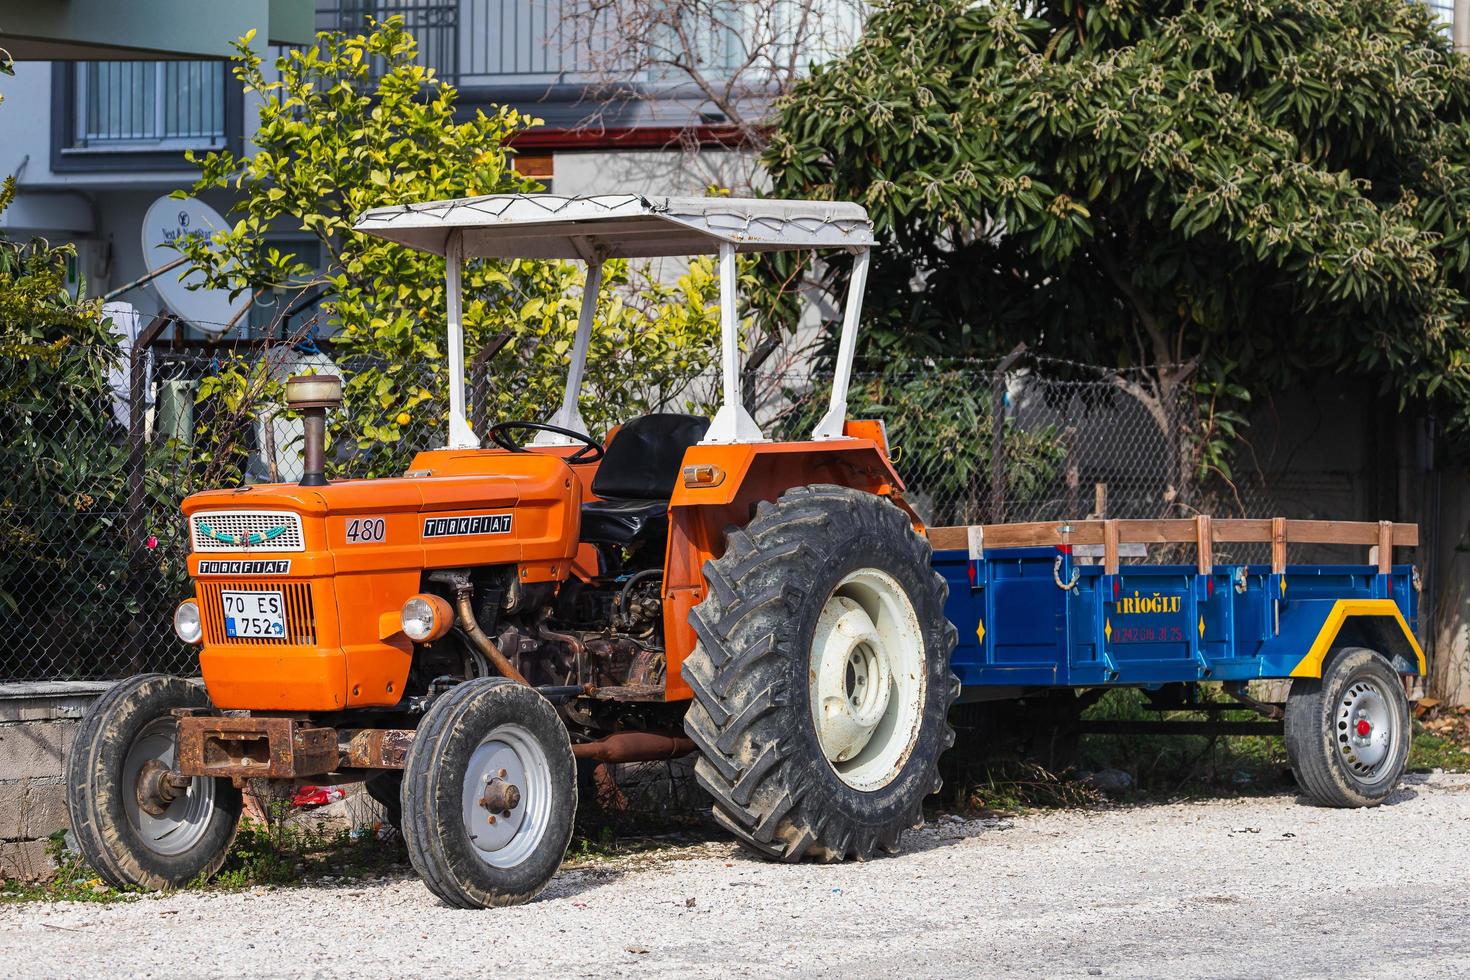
column 459, row 637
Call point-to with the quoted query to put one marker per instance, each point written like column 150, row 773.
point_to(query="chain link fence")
column 98, row 449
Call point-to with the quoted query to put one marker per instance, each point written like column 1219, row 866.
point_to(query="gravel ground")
column 1248, row 887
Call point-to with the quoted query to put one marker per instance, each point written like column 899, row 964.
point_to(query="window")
column 149, row 105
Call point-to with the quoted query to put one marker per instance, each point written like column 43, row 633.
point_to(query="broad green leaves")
column 353, row 123
column 1235, row 193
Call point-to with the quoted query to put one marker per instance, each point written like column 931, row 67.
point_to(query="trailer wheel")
column 130, row 824
column 1347, row 733
column 821, row 677
column 489, row 794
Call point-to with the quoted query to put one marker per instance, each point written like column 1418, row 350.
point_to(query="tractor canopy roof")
column 552, row 226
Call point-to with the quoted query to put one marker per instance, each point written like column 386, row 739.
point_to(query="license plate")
column 254, row 615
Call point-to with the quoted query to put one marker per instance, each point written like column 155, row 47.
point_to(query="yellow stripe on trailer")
column 1342, row 610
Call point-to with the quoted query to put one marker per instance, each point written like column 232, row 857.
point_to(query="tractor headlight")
column 186, row 622
column 426, row 618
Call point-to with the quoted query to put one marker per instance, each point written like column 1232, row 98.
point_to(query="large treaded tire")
column 1317, row 732
column 434, row 774
column 95, row 789
column 760, row 759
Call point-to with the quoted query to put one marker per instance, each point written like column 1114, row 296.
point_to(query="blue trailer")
column 1054, row 605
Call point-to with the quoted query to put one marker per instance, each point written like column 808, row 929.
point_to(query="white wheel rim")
column 1366, row 731
column 867, row 679
column 183, row 823
column 507, row 837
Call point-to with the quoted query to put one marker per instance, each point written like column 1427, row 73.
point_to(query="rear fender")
column 1376, row 624
column 744, row 475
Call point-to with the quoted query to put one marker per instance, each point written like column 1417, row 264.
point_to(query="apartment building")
column 93, row 143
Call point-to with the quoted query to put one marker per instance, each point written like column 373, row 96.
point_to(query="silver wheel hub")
column 867, row 678
column 506, row 802
column 168, row 820
column 1365, row 728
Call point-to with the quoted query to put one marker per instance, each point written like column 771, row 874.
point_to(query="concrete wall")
column 654, row 172
column 37, row 724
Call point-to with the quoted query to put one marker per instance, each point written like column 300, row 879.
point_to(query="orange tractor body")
column 344, row 586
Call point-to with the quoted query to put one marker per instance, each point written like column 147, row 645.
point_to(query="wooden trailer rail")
column 1202, row 532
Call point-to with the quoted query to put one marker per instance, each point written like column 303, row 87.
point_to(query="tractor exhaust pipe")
column 633, row 747
column 312, row 395
column 463, row 595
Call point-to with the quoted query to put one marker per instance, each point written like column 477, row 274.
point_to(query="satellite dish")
column 167, row 220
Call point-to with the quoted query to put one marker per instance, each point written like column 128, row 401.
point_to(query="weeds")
column 1015, row 785
column 1190, row 765
column 1017, row 756
column 73, row 881
column 1441, row 738
column 282, row 850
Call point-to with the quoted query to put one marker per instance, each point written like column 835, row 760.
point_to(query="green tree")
column 1236, row 194
column 77, row 592
column 354, row 122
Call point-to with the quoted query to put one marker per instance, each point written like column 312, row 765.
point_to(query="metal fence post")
column 997, row 434
column 137, row 437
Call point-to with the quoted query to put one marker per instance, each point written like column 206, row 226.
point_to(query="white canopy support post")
column 461, row 436
column 832, row 423
column 569, row 416
column 732, row 423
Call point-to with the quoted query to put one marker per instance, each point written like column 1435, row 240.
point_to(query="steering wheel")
column 591, row 450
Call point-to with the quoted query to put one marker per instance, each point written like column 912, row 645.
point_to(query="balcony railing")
column 149, row 105
column 511, row 42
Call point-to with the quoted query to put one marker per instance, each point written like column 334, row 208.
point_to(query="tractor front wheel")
column 133, row 822
column 821, row 677
column 489, row 794
column 1347, row 732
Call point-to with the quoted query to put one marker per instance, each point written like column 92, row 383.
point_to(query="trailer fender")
column 1373, row 623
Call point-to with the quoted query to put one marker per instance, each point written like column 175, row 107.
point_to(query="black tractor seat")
column 636, row 479
column 623, row 522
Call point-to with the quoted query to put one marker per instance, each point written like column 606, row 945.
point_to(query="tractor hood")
column 333, row 566
column 487, row 506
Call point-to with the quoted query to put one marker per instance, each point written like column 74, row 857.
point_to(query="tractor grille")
column 300, row 623
column 247, row 530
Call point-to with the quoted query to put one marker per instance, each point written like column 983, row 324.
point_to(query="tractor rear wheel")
column 132, row 823
column 821, row 677
column 1347, row 732
column 489, row 794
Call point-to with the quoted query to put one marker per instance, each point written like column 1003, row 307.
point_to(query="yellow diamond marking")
column 980, row 631
column 1108, row 629
column 1283, row 586
column 1202, row 627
